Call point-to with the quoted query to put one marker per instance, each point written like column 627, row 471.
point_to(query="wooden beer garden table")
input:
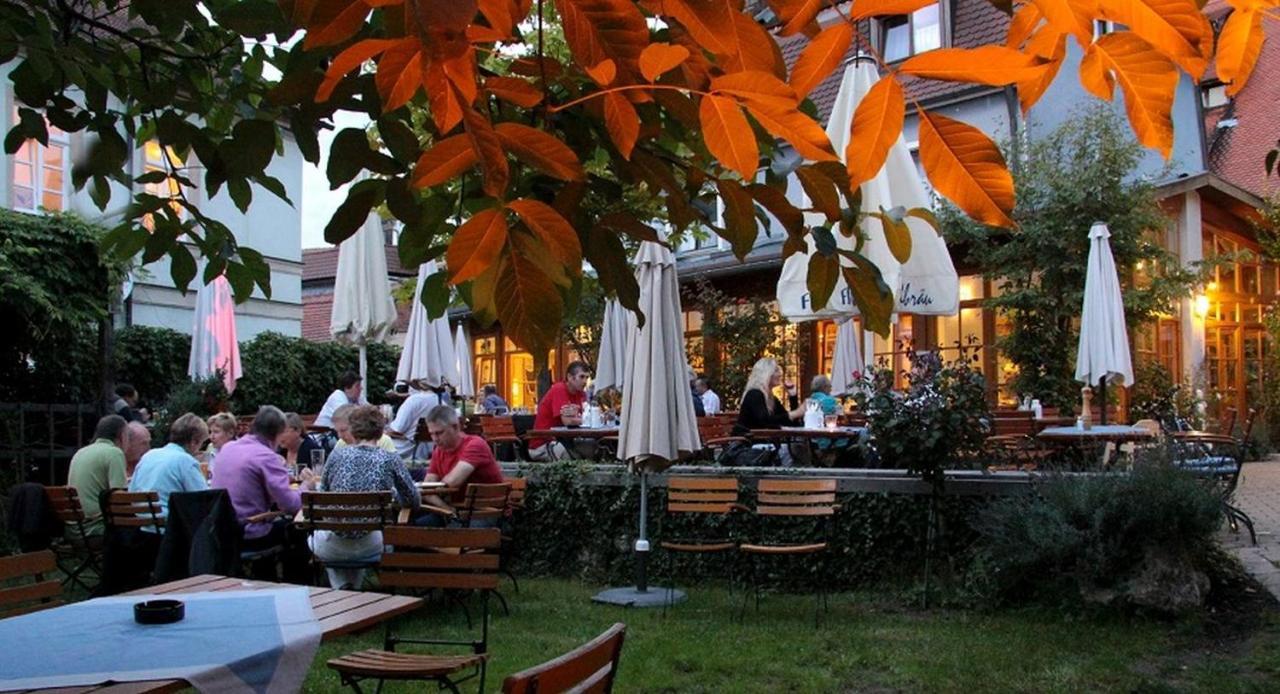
column 338, row 612
column 566, row 436
column 1099, row 433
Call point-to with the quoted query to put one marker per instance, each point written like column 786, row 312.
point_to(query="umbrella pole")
column 642, row 544
column 639, row 595
column 1102, row 390
column 364, row 374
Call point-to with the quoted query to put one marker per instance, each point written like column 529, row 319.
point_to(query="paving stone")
column 1258, row 495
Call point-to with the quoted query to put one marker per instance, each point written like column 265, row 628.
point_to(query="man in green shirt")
column 97, row 467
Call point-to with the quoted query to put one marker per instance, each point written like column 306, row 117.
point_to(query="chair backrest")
column 463, row 558
column 1227, row 423
column 65, row 502
column 1013, row 422
column 796, row 497
column 1248, row 426
column 497, row 426
column 347, row 511
column 687, row 494
column 133, row 510
column 519, row 488
column 1150, row 425
column 484, row 502
column 42, row 592
column 711, row 428
column 589, row 668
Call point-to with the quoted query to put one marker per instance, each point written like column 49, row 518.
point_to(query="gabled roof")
column 320, row 265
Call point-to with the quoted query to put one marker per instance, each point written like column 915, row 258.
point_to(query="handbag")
column 743, row 454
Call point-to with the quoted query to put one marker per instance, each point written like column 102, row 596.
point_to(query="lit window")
column 40, row 173
column 154, row 159
column 1214, row 96
column 902, row 36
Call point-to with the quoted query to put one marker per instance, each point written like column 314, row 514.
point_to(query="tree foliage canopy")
column 680, row 100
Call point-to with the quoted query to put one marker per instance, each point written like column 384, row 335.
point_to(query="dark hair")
column 576, row 367
column 367, row 423
column 110, row 427
column 186, row 429
column 348, row 379
column 268, row 423
column 702, row 382
column 490, row 389
column 124, row 390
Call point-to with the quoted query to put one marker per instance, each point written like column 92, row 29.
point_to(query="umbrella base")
column 631, row 596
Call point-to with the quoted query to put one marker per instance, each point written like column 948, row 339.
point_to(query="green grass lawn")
column 868, row 642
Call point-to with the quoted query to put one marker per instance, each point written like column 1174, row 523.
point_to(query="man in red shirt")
column 458, row 460
column 561, row 406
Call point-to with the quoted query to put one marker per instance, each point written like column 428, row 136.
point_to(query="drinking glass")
column 831, row 421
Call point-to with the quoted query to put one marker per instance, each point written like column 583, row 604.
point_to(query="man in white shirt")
column 710, row 401
column 404, row 428
column 347, row 393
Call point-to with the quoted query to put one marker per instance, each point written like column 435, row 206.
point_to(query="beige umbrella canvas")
column 613, row 346
column 845, row 360
column 466, row 385
column 427, row 354
column 363, row 310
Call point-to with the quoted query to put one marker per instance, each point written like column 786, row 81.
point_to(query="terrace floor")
column 1259, row 496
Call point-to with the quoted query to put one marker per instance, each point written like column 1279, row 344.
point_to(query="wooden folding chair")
column 42, row 592
column 501, row 430
column 716, row 434
column 77, row 553
column 510, row 526
column 702, row 497
column 136, row 510
column 425, row 559
column 793, row 498
column 590, row 668
column 134, row 523
column 356, row 512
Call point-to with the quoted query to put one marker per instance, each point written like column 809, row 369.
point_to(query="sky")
column 318, row 202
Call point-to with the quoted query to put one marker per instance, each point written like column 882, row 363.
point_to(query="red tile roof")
column 1236, row 153
column 974, row 23
column 320, row 264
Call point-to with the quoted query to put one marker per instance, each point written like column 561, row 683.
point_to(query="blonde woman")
column 223, row 428
column 759, row 409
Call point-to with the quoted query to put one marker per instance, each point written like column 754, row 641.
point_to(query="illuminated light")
column 1140, row 265
column 1202, row 306
column 1213, row 286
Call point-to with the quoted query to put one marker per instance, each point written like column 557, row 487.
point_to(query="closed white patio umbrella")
column 363, row 310
column 1103, row 354
column 613, row 346
column 659, row 426
column 846, row 359
column 466, row 384
column 927, row 283
column 427, row 354
column 213, row 335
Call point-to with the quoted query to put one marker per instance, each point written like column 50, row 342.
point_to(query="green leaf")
column 625, row 223
column 824, row 272
column 274, row 186
column 823, row 241
column 870, row 293
column 605, row 252
column 124, row 241
column 347, row 154
column 240, row 192
column 241, row 281
column 435, row 294
column 776, row 202
column 416, row 239
column 250, row 149
column 214, row 267
column 353, row 211
column 182, row 267
column 1271, row 160
column 402, row 201
column 100, row 192
column 253, row 18
column 739, row 217
column 304, row 134
column 821, row 191
column 258, row 268
column 151, row 177
column 399, row 139
column 927, row 215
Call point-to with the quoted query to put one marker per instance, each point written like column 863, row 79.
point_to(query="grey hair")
column 820, row 383
column 186, row 429
column 269, row 422
column 444, row 415
column 294, row 421
column 343, row 413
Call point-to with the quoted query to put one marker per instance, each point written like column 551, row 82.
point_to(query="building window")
column 486, row 366
column 693, row 344
column 40, row 173
column 1214, row 95
column 902, row 36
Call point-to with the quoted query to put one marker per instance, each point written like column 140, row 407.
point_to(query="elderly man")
column 173, row 468
column 458, row 460
column 97, row 467
column 136, row 444
column 254, row 476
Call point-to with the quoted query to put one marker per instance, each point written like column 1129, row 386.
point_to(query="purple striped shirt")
column 253, row 474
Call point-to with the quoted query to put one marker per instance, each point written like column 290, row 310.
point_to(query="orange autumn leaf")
column 399, row 75
column 514, row 90
column 1147, row 78
column 622, row 122
column 796, row 14
column 476, row 245
column 728, row 135
column 658, row 58
column 1029, row 92
column 879, row 8
column 877, row 125
column 710, row 23
column 445, row 160
column 774, row 105
column 334, row 23
column 541, row 151
column 994, row 65
column 1239, row 46
column 1074, row 17
column 500, row 14
column 597, row 30
column 963, row 164
column 603, row 73
column 488, row 148
column 350, row 59
column 1025, row 20
column 1176, row 28
column 756, row 86
column 821, row 57
column 528, row 305
column 755, row 48
column 442, row 97
column 551, row 228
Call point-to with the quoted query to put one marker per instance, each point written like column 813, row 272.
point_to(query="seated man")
column 710, row 399
column 458, row 460
column 136, row 444
column 255, row 478
column 98, row 467
column 492, row 402
column 347, row 393
column 403, row 430
column 126, row 404
column 174, row 467
column 562, row 406
column 342, row 427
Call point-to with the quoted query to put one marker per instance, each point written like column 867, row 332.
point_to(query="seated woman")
column 223, row 428
column 361, row 467
column 759, row 409
column 294, row 443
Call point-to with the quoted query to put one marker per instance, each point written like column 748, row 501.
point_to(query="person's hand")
column 307, row 478
column 570, row 411
column 791, row 387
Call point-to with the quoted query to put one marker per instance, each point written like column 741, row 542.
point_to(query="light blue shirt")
column 167, row 470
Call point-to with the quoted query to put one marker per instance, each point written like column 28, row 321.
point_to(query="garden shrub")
column 202, row 397
column 152, row 360
column 1095, row 538
column 297, row 375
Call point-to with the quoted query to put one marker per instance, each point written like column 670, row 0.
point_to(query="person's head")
column 137, row 441
column 268, row 424
column 222, row 429
column 349, row 383
column 111, row 428
column 700, row 384
column 366, row 423
column 821, row 384
column 442, row 423
column 576, row 376
column 765, row 375
column 342, row 423
column 127, row 393
column 490, row 389
column 294, row 430
column 190, row 432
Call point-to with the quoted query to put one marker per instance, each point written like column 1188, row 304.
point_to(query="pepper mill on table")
column 1086, row 413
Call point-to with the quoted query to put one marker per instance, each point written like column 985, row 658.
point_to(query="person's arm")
column 754, row 412
column 191, row 479
column 406, row 490
column 571, row 414
column 116, row 472
column 276, row 480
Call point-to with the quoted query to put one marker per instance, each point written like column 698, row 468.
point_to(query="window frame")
column 879, row 30
column 58, row 138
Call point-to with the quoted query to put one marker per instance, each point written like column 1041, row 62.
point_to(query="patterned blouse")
column 363, row 468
